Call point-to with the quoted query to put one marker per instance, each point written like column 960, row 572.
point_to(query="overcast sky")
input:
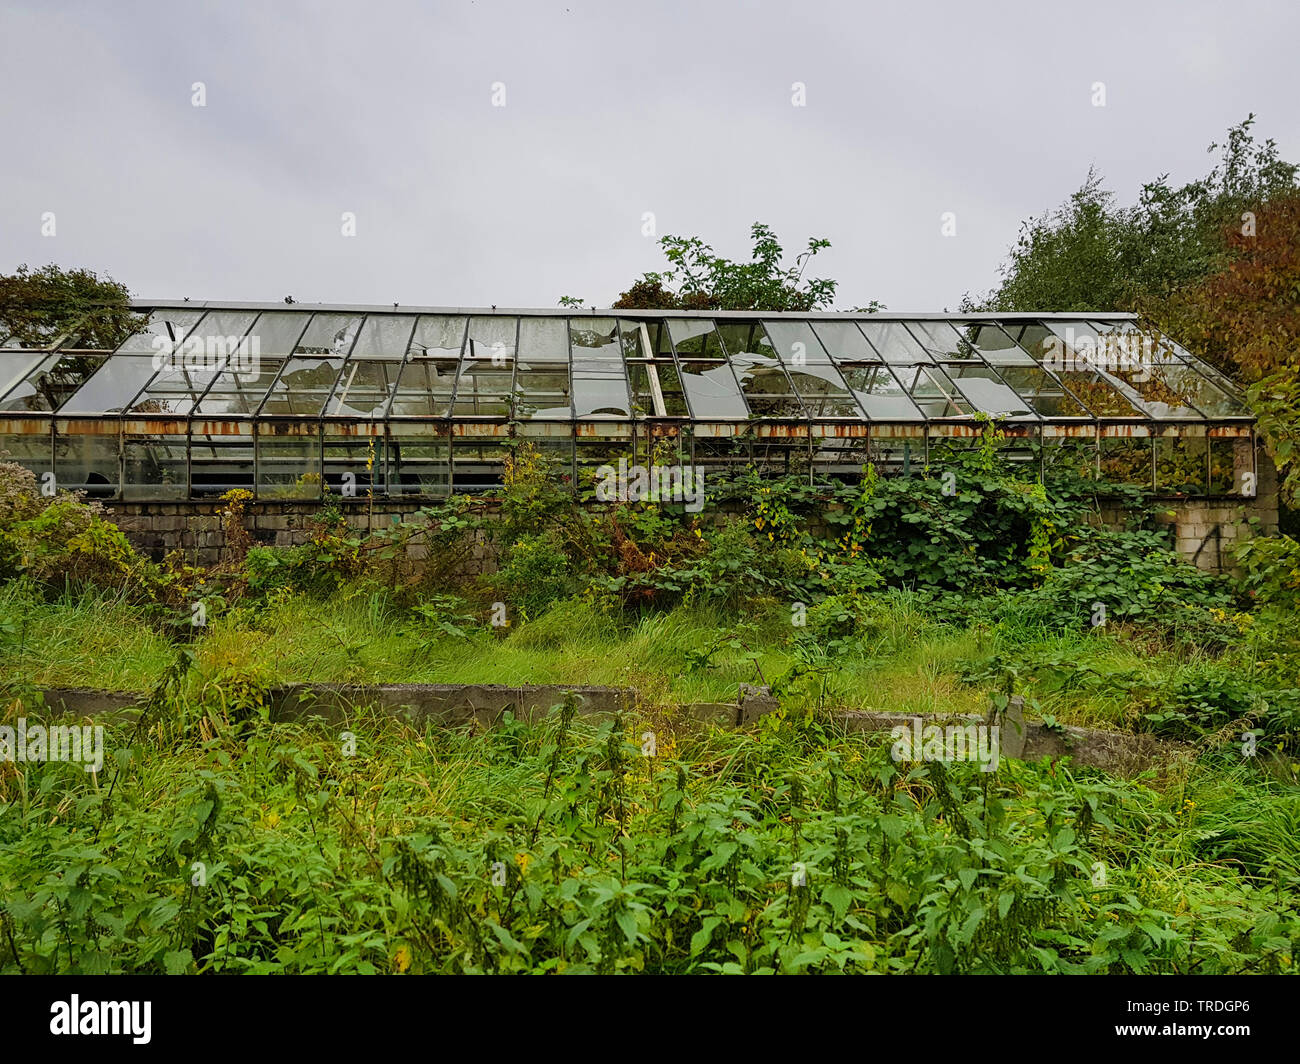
column 684, row 110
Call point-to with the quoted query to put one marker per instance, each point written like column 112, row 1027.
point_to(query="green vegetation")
column 216, row 841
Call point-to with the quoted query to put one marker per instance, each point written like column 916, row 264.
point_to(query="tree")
column 699, row 279
column 1214, row 263
column 1092, row 255
column 37, row 307
column 1069, row 259
column 1245, row 318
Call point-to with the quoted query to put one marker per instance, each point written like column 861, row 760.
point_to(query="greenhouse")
column 289, row 402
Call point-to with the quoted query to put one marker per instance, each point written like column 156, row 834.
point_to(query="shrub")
column 64, row 539
column 534, row 573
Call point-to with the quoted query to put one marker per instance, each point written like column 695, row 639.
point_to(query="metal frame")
column 789, row 431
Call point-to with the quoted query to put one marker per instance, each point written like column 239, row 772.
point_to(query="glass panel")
column 766, row 388
column 880, row 394
column 303, row 387
column 240, row 388
column 1077, row 454
column 997, row 347
column 51, row 382
column 1098, row 394
column 694, row 338
column 477, row 464
column 155, row 467
column 482, row 388
column 633, row 346
column 425, row 386
column 986, row 393
column 823, row 391
column 15, row 365
column 740, row 338
column 219, row 341
column 113, row 387
column 165, row 329
column 797, row 344
column 1126, row 460
column 942, row 341
column 1230, row 462
column 1156, row 382
column 893, row 342
column 288, row 467
column 492, row 340
column 592, row 454
column 599, row 380
column 1203, row 367
column 712, row 391
column 895, row 456
column 220, row 463
column 330, row 335
column 354, row 465
column 845, row 341
column 417, row 465
column 276, row 332
column 660, row 342
column 87, row 463
column 175, row 391
column 1181, row 464
column 542, row 393
column 239, row 394
column 932, row 391
column 543, row 340
column 438, row 336
column 384, row 336
column 32, row 450
column 363, row 388
column 1041, row 391
column 1180, row 372
column 645, row 376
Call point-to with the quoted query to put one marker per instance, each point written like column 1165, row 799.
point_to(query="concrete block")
column 755, row 702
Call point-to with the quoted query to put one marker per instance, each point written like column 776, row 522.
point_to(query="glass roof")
column 364, row 364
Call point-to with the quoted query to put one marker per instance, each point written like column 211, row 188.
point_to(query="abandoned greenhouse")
column 403, row 404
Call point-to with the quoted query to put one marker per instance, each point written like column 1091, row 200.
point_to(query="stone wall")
column 196, row 529
column 1202, row 530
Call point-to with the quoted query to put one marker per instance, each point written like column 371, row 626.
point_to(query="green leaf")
column 177, row 961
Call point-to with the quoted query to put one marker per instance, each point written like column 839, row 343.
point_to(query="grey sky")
column 611, row 110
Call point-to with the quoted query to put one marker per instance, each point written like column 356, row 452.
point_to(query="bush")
column 64, row 539
column 1134, row 576
column 1270, row 569
column 534, row 573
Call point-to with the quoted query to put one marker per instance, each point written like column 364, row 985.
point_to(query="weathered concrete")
column 484, row 705
column 755, row 702
column 88, row 702
column 1121, row 753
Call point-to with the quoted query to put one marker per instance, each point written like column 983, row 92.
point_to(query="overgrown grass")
column 905, row 659
column 247, row 847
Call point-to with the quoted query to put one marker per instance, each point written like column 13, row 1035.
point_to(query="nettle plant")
column 575, row 846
